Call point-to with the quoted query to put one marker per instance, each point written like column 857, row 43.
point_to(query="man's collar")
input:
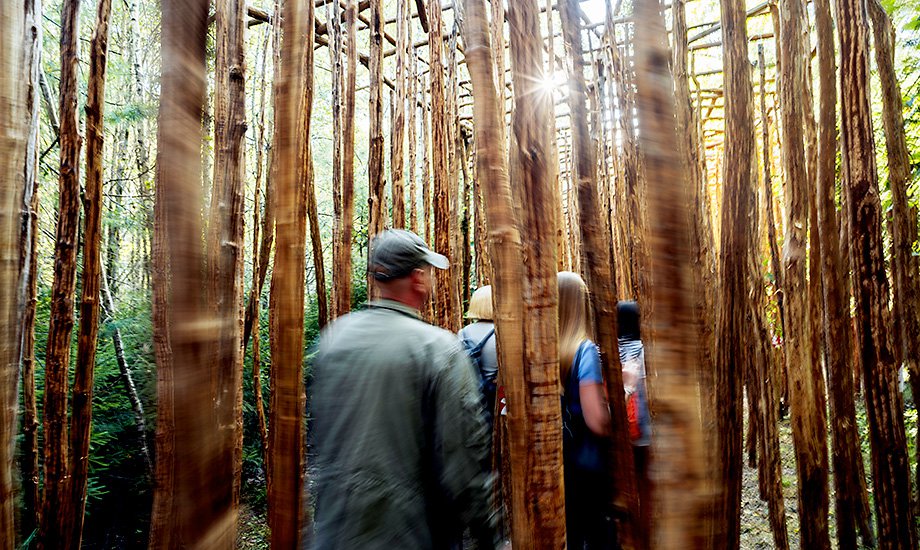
column 400, row 307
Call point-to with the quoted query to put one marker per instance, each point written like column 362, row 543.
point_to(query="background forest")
column 124, row 403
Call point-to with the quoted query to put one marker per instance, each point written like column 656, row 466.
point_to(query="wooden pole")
column 679, row 492
column 539, row 503
column 890, row 471
column 82, row 413
column 398, row 129
column 287, row 288
column 341, row 277
column 376, row 179
column 57, row 514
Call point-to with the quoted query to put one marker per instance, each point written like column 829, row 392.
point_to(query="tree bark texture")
column 884, row 407
column 82, row 413
column 809, row 428
column 738, row 202
column 225, row 247
column 679, row 494
column 29, row 450
column 849, row 477
column 543, row 504
column 342, row 250
column 440, row 141
column 598, row 267
column 58, row 514
column 376, row 180
column 398, row 127
column 287, row 289
column 188, row 507
column 906, row 310
column 412, row 122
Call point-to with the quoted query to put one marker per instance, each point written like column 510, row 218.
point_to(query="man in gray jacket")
column 398, row 432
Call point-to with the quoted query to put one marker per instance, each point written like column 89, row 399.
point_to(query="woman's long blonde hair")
column 574, row 319
column 481, row 304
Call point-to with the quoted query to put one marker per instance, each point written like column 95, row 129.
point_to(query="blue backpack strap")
column 477, row 349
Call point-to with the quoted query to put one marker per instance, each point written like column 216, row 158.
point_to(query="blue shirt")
column 581, row 447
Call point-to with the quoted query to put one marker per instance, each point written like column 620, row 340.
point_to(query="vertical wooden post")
column 81, row 417
column 890, row 471
column 398, row 128
column 849, row 478
column 287, row 289
column 540, row 406
column 731, row 354
column 57, row 514
column 678, row 497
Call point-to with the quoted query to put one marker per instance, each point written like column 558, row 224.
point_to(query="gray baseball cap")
column 396, row 253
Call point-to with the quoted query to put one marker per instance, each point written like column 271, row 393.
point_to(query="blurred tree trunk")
column 412, row 122
column 29, row 451
column 851, row 504
column 465, row 236
column 890, row 470
column 189, row 509
column 598, row 269
column 225, row 246
column 679, row 493
column 20, row 32
column 287, row 289
column 453, row 188
column 738, row 203
column 82, row 414
column 336, row 45
column 542, row 509
column 809, row 428
column 341, row 271
column 906, row 310
column 58, row 513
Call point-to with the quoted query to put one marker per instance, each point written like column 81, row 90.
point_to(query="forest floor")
column 755, row 520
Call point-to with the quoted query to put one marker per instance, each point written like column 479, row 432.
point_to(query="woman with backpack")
column 479, row 340
column 586, row 422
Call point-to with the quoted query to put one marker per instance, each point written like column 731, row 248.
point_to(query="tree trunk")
column 808, row 423
column 906, row 308
column 849, row 477
column 679, row 492
column 890, row 472
column 225, row 247
column 58, row 513
column 465, row 235
column 412, row 122
column 537, row 490
column 531, row 176
column 738, row 200
column 287, row 290
column 398, row 127
column 188, row 506
column 81, row 419
column 376, row 180
column 598, row 268
column 440, row 142
column 342, row 250
column 19, row 110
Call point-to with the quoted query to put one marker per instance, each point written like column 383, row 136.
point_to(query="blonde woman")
column 479, row 340
column 586, row 421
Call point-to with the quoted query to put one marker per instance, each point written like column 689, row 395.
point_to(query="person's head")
column 628, row 320
column 400, row 263
column 574, row 318
column 480, row 304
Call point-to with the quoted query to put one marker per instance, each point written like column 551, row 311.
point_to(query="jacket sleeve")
column 461, row 443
